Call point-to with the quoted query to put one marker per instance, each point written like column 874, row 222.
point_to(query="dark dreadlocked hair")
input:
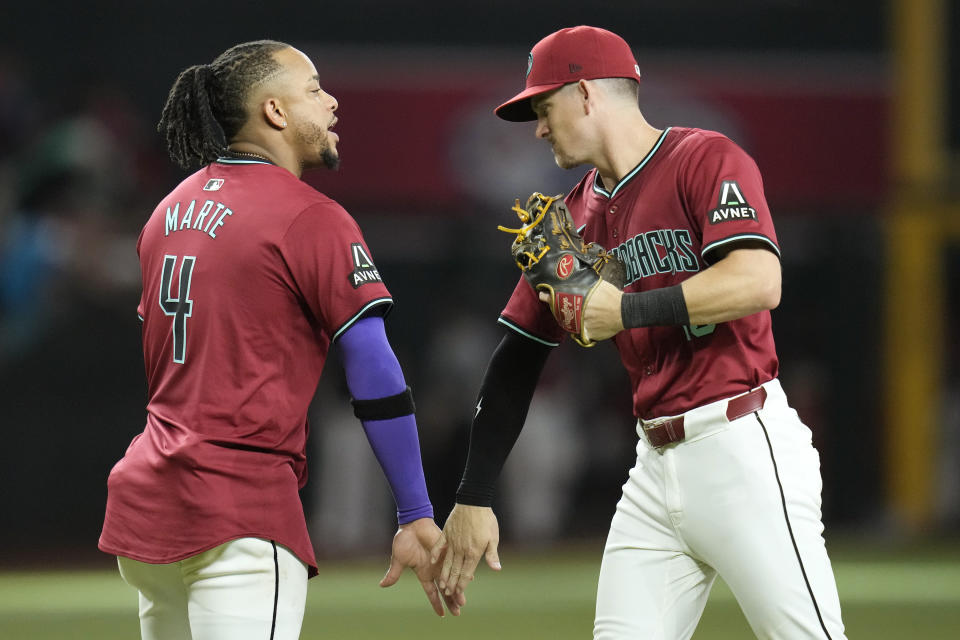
column 206, row 106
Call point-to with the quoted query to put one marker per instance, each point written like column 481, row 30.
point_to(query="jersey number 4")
column 180, row 307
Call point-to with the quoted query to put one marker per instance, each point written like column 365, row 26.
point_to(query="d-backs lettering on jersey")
column 243, row 293
column 641, row 254
column 693, row 197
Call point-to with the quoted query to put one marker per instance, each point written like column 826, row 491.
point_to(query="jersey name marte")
column 218, row 212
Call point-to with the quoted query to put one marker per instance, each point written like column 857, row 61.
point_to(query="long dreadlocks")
column 206, row 106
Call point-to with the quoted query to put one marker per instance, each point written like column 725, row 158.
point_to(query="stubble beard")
column 565, row 161
column 313, row 136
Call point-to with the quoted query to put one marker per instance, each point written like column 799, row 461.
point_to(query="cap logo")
column 574, row 67
column 529, row 63
column 636, row 68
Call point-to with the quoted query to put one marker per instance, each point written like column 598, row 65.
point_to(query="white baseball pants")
column 736, row 498
column 246, row 589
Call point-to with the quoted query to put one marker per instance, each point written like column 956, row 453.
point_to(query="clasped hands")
column 445, row 561
column 413, row 546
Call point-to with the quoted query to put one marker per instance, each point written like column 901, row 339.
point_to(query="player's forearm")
column 502, row 405
column 374, row 377
column 744, row 282
column 397, row 448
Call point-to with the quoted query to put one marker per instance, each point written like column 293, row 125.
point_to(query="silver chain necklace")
column 248, row 154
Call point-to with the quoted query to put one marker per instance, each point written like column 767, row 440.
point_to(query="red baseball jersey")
column 248, row 275
column 693, row 196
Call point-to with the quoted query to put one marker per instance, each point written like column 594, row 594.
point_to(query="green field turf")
column 885, row 595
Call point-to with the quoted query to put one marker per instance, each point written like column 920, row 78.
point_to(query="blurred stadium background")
column 852, row 111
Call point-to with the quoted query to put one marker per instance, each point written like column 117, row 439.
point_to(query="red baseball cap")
column 569, row 55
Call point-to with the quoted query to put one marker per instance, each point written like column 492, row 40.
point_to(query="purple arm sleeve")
column 372, row 371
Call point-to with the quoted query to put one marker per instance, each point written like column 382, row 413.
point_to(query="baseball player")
column 726, row 479
column 249, row 275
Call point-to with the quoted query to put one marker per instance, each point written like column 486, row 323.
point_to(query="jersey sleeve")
column 725, row 197
column 531, row 318
column 332, row 268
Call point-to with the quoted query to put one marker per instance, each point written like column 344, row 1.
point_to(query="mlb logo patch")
column 213, row 184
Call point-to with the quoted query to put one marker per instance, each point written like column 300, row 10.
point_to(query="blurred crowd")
column 76, row 180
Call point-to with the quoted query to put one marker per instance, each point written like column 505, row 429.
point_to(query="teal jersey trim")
column 526, row 334
column 627, row 178
column 241, row 161
column 739, row 238
column 359, row 314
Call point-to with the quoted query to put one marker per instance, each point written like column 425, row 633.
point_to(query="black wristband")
column 386, row 408
column 658, row 307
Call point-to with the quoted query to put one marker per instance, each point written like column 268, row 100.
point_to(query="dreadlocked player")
column 249, row 275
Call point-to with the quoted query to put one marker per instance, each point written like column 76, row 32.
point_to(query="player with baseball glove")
column 726, row 481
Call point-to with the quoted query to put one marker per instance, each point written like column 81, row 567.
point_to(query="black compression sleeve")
column 504, row 399
column 657, row 307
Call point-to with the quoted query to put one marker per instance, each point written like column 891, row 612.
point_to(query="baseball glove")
column 555, row 259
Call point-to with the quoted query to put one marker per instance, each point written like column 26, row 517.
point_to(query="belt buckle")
column 653, row 424
column 663, row 431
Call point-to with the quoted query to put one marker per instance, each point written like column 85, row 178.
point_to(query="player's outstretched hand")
column 412, row 545
column 470, row 532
